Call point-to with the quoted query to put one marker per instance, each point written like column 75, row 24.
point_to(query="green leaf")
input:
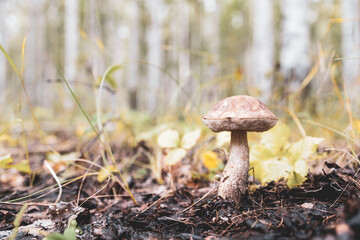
column 168, row 139
column 107, row 75
column 10, row 61
column 189, row 139
column 295, row 179
column 175, row 156
column 69, row 233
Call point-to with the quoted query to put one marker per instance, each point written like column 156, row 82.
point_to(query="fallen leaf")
column 175, row 156
column 168, row 139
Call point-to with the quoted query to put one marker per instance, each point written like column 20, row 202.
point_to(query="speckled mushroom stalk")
column 234, row 181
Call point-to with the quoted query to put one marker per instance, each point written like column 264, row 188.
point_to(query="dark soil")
column 326, row 206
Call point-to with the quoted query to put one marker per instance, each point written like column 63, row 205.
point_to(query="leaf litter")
column 324, row 206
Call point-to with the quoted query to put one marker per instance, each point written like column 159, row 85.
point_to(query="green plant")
column 170, row 139
column 69, row 233
column 6, row 162
column 275, row 157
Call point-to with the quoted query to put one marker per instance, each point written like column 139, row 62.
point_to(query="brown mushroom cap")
column 240, row 113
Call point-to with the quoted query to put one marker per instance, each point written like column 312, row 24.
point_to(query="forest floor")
column 326, row 206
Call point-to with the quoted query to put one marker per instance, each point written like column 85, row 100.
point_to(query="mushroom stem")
column 234, row 181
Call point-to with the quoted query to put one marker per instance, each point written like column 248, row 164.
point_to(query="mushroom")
column 238, row 114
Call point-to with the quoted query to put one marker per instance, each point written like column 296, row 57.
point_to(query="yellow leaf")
column 357, row 125
column 22, row 166
column 168, row 139
column 223, row 138
column 304, row 148
column 301, row 167
column 238, row 74
column 105, row 173
column 83, row 34
column 295, row 180
column 259, row 153
column 211, row 160
column 5, row 160
column 175, row 156
column 9, row 139
column 272, row 169
column 100, row 44
column 190, row 139
column 276, row 138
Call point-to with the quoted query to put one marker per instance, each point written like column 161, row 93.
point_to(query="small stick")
column 207, row 194
column 161, row 198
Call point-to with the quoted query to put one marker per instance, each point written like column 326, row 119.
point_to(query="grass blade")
column 10, row 61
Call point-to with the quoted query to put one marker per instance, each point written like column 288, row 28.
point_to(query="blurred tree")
column 116, row 36
column 179, row 49
column 134, row 53
column 3, row 60
column 71, row 45
column 211, row 33
column 36, row 54
column 351, row 46
column 154, row 39
column 295, row 52
column 263, row 47
column 94, row 27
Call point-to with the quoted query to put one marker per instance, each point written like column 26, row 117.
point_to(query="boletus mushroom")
column 238, row 114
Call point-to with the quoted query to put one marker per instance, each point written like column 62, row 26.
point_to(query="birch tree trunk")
column 180, row 43
column 154, row 39
column 263, row 47
column 71, row 45
column 134, row 54
column 94, row 29
column 295, row 52
column 35, row 54
column 3, row 80
column 117, row 35
column 351, row 47
column 211, row 26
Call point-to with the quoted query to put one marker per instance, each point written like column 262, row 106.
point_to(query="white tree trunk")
column 71, row 45
column 263, row 48
column 180, row 43
column 134, row 54
column 211, row 32
column 154, row 39
column 3, row 80
column 35, row 54
column 351, row 47
column 295, row 52
column 117, row 35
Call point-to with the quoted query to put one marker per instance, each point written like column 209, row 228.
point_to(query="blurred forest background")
column 172, row 58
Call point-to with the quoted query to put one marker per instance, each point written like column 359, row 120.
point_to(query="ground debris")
column 325, row 206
